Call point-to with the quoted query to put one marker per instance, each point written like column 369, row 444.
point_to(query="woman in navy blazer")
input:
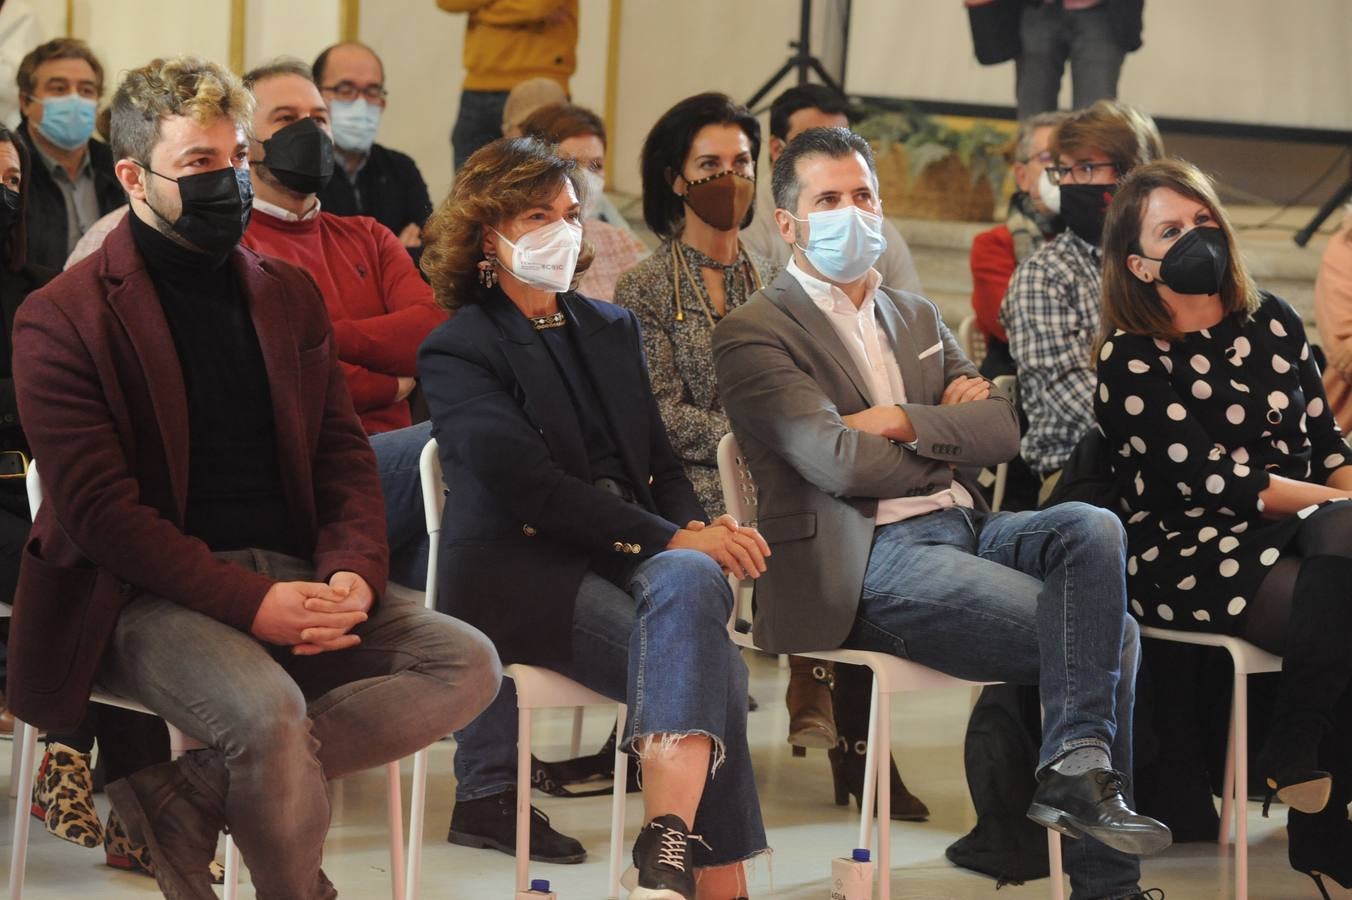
column 571, row 535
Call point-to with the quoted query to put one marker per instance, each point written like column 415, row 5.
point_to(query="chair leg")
column 231, row 869
column 417, row 814
column 523, row 799
column 1239, row 740
column 617, row 806
column 870, row 787
column 15, row 760
column 26, row 738
column 395, row 803
column 1228, row 781
column 577, row 733
column 1058, row 879
column 882, row 754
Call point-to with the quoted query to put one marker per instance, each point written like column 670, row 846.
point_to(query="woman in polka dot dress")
column 1236, row 478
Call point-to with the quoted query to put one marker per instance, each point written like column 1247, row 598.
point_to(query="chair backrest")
column 739, row 490
column 34, row 489
column 434, row 507
column 972, row 340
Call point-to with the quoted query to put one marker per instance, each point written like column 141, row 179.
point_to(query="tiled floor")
column 805, row 829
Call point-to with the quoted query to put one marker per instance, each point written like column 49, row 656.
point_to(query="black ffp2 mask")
column 1196, row 263
column 1084, row 208
column 216, row 208
column 300, row 156
column 10, row 204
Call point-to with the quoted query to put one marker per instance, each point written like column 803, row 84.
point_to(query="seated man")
column 793, row 112
column 380, row 307
column 210, row 543
column 71, row 181
column 372, row 180
column 854, row 406
column 1051, row 309
column 1028, row 224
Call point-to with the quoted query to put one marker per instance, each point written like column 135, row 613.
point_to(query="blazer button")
column 635, row 549
column 528, row 530
column 619, row 547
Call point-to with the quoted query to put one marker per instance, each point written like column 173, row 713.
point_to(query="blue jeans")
column 1051, row 35
column 478, row 122
column 1029, row 598
column 662, row 646
column 397, row 454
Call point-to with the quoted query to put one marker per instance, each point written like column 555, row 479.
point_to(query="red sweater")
column 380, row 307
column 993, row 263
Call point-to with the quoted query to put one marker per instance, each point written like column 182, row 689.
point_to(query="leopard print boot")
column 120, row 852
column 63, row 796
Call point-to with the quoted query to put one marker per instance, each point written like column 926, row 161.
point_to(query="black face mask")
column 1196, row 263
column 1084, row 207
column 301, row 156
column 216, row 208
column 9, row 206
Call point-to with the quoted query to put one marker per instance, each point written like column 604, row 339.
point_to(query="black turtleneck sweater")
column 235, row 495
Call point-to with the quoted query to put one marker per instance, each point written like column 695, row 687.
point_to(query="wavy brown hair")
column 499, row 181
column 1134, row 305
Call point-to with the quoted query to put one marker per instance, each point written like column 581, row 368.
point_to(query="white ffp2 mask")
column 545, row 258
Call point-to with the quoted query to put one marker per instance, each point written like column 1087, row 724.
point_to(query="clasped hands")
column 890, row 421
column 739, row 549
column 312, row 617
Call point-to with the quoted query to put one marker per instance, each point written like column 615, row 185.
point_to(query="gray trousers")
column 285, row 724
column 1052, row 36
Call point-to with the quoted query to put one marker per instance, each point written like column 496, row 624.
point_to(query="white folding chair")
column 179, row 743
column 891, row 675
column 972, row 340
column 1248, row 660
column 536, row 688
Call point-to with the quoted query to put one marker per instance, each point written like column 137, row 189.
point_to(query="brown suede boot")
column 811, row 722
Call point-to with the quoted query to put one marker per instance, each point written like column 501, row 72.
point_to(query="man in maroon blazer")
column 211, row 541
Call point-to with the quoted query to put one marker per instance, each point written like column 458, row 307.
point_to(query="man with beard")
column 210, row 540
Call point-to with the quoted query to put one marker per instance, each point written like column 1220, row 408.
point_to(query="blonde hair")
column 183, row 86
column 1125, row 135
column 1135, row 306
column 499, row 181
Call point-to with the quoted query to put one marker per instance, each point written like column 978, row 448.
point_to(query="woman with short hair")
column 571, row 535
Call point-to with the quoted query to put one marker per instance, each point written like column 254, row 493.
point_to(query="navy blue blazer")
column 524, row 521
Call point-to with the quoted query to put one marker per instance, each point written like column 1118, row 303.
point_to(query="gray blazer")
column 786, row 379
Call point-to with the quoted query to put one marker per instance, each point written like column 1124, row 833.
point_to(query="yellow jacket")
column 509, row 41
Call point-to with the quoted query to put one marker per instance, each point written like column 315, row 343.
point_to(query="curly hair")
column 183, row 86
column 501, row 180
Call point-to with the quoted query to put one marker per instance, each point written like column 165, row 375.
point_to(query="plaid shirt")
column 1051, row 312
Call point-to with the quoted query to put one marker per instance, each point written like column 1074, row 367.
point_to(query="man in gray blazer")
column 859, row 417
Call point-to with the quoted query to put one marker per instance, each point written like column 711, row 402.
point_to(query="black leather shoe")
column 662, row 864
column 1092, row 804
column 490, row 822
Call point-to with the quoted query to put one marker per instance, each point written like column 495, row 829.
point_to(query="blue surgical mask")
column 354, row 124
column 68, row 120
column 843, row 243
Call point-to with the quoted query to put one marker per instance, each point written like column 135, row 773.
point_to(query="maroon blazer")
column 102, row 400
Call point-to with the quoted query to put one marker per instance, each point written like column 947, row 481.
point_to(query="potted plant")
column 928, row 168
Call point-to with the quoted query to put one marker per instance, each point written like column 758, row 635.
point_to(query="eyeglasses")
column 1080, row 173
column 347, row 90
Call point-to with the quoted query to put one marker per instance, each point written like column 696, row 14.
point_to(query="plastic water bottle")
column 852, row 877
column 539, row 887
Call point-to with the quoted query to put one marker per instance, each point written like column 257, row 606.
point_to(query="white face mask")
column 545, row 258
column 1048, row 193
column 595, row 189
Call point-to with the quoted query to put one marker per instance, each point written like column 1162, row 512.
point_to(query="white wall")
column 1253, row 61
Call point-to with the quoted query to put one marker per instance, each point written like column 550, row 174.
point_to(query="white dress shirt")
column 286, row 215
column 876, row 360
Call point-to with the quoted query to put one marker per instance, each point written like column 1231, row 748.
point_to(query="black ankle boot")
column 1316, row 670
column 850, row 706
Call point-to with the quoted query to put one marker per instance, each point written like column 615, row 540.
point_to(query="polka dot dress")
column 1197, row 426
